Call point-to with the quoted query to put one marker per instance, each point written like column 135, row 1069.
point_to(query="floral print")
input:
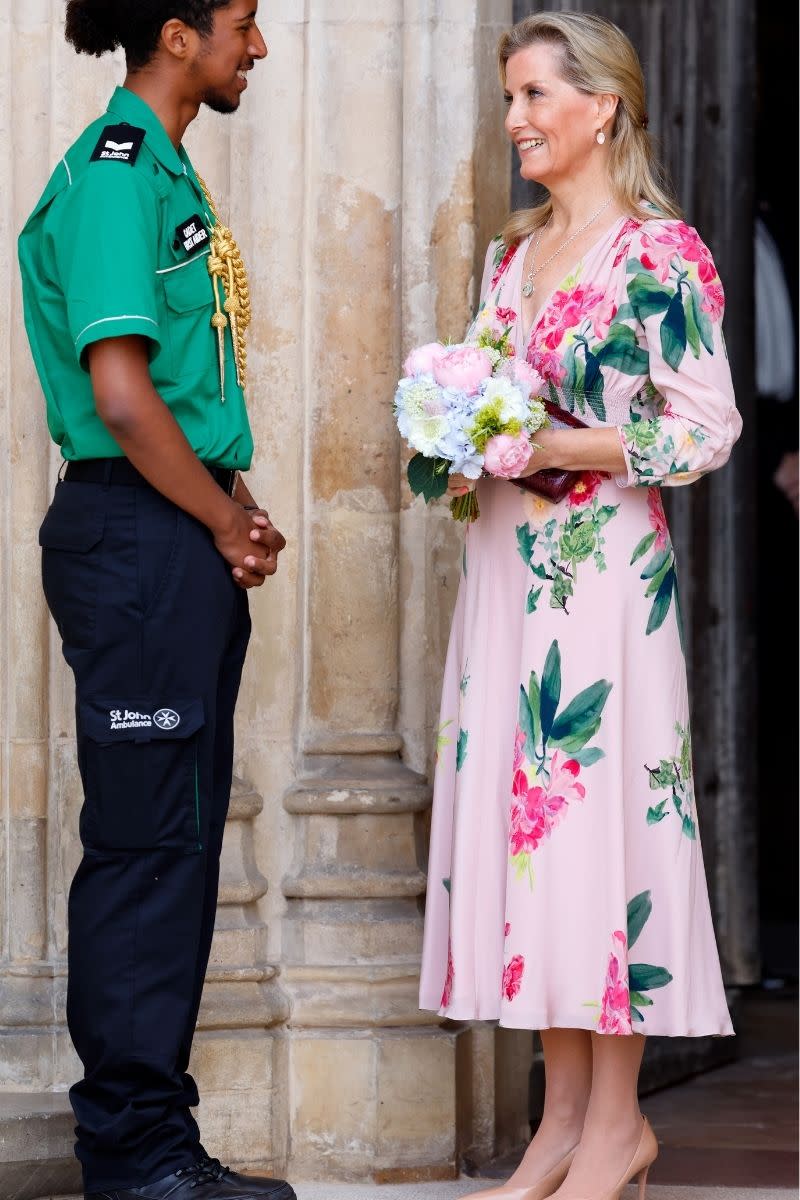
column 659, row 571
column 627, row 984
column 615, row 1009
column 675, row 775
column 512, row 977
column 549, row 750
column 554, row 551
column 574, row 791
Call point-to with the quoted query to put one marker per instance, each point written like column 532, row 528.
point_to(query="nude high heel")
column 643, row 1159
column 538, row 1191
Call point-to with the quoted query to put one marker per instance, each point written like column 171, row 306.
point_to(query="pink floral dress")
column 566, row 885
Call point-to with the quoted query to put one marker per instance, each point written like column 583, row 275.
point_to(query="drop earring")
column 601, row 137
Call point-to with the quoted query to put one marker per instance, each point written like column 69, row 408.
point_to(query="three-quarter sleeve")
column 677, row 299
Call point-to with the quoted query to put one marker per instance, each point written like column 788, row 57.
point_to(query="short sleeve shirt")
column 118, row 244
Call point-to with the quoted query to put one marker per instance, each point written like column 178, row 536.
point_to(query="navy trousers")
column 155, row 631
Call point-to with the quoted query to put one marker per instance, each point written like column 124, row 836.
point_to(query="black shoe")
column 190, row 1183
column 246, row 1187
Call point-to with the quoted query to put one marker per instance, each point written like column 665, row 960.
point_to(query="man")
column 136, row 306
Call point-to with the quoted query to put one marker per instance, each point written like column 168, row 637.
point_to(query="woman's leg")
column 613, row 1124
column 568, row 1077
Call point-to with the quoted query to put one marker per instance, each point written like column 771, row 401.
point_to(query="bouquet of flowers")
column 468, row 409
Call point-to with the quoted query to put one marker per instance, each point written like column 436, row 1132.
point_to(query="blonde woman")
column 566, row 884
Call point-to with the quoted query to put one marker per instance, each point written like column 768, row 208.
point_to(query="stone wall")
column 363, row 177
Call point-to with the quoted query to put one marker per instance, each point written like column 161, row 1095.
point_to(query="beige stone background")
column 363, row 177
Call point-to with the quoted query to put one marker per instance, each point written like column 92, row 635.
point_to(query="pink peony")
column 464, row 369
column 448, row 983
column 615, row 1010
column 421, row 360
column 586, row 488
column 528, row 379
column 713, row 300
column 506, row 457
column 512, row 977
column 658, row 518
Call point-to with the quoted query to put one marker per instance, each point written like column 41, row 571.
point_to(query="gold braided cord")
column 225, row 265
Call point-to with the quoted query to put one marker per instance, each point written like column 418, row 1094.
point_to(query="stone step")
column 36, row 1145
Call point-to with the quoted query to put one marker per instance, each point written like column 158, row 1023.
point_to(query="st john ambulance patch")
column 118, row 143
column 191, row 235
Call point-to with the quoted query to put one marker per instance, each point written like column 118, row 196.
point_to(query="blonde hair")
column 597, row 58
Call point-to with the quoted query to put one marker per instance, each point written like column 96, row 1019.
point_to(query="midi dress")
column 566, row 886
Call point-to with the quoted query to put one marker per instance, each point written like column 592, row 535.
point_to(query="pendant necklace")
column 529, row 287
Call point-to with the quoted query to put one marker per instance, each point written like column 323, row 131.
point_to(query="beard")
column 220, row 103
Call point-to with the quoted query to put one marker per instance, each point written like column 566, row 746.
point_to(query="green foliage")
column 428, row 476
column 526, row 540
column 461, row 748
column 643, row 546
column 639, row 910
column 647, row 296
column 551, row 689
column 644, row 978
column 533, row 599
column 673, row 332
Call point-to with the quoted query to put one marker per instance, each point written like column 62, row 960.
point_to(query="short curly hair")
column 100, row 26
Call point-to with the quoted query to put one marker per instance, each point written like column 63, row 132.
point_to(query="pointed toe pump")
column 536, row 1191
column 639, row 1167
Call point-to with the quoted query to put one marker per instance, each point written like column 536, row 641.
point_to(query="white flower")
column 514, row 406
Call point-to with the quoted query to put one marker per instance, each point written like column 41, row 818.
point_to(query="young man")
column 136, row 305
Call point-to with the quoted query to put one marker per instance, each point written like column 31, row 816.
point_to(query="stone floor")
column 728, row 1135
column 468, row 1187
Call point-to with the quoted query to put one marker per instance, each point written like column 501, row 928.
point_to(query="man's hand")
column 265, row 537
column 250, row 549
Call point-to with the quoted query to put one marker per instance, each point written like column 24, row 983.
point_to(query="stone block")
column 36, row 1146
column 417, row 1099
column 236, row 1062
column 27, row 778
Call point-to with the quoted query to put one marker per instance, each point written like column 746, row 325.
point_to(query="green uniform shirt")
column 119, row 244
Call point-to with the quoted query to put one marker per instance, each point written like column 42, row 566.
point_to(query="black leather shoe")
column 190, row 1183
column 246, row 1187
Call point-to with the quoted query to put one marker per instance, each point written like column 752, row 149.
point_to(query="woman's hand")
column 459, row 485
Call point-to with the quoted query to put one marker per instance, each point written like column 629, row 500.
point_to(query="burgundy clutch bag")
column 553, row 483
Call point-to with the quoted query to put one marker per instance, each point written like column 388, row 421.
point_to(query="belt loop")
column 108, row 467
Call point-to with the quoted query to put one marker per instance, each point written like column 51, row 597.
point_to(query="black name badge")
column 191, row 235
column 119, row 143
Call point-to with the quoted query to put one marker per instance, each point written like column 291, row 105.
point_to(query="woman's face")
column 552, row 124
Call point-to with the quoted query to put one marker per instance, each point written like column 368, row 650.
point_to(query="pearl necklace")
column 530, row 287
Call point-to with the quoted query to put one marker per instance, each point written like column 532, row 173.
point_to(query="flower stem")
column 465, row 508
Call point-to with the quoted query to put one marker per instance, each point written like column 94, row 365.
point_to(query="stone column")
column 373, row 1079
column 352, row 930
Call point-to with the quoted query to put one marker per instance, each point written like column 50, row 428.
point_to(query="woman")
column 566, row 886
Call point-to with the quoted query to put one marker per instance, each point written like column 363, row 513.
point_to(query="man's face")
column 225, row 57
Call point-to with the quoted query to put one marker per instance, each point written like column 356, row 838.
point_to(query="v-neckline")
column 526, row 338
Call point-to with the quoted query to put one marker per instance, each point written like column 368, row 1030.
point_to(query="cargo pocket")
column 70, row 537
column 139, row 762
